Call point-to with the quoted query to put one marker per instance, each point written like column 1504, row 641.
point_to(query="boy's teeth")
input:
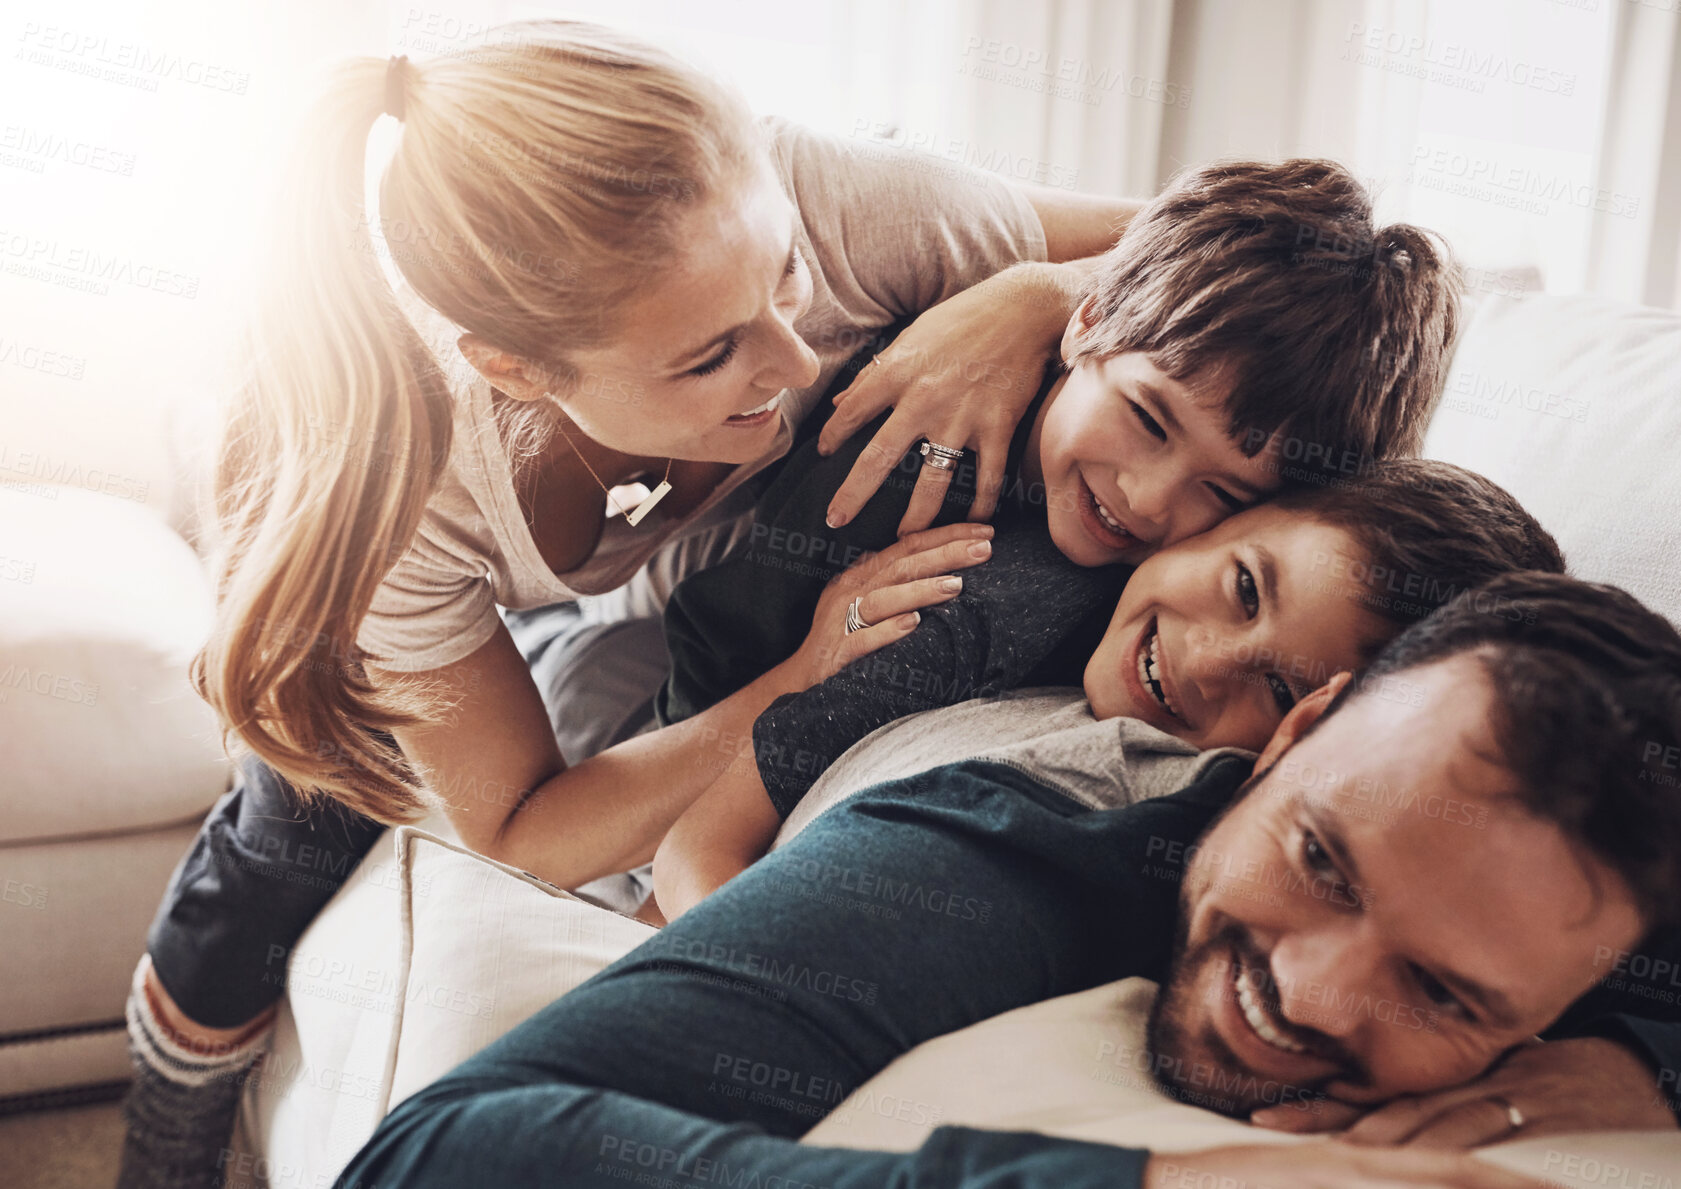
column 1149, row 673
column 1103, row 515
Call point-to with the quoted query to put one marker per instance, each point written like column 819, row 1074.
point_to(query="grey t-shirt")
column 1049, row 734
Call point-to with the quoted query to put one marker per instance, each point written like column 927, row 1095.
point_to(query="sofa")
column 430, row 952
column 1573, row 403
column 108, row 762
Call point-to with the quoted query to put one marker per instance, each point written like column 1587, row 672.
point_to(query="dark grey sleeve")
column 1014, row 611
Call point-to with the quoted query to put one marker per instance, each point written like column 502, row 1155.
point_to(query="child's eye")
column 1281, row 692
column 794, row 262
column 1233, row 504
column 1148, row 422
column 716, row 362
column 1246, row 592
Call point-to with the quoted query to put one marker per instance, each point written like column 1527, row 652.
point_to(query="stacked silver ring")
column 941, row 458
column 854, row 618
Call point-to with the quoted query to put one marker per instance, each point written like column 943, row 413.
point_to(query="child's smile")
column 1214, row 639
column 1133, row 459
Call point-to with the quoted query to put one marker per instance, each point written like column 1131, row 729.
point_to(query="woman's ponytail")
column 330, row 453
column 540, row 181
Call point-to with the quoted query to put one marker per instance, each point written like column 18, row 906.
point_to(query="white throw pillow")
column 427, row 954
column 486, row 947
column 1573, row 404
column 1077, row 1067
column 321, row 1089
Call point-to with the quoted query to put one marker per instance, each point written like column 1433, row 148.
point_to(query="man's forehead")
column 1406, row 762
column 1430, row 712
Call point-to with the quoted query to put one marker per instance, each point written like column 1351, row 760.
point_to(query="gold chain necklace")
column 635, row 515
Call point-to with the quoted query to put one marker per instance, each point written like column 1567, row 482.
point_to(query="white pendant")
column 635, row 515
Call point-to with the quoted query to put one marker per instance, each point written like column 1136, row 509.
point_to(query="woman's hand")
column 912, row 573
column 961, row 375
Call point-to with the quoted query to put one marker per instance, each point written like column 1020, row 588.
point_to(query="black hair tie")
column 396, row 78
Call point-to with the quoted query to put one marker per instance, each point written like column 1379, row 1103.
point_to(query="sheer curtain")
column 1640, row 257
column 1543, row 137
column 1063, row 93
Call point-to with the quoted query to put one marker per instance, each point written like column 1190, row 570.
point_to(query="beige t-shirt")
column 886, row 234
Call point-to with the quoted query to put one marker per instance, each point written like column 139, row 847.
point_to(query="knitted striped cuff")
column 156, row 1045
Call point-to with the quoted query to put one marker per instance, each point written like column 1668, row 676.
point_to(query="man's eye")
column 1148, row 422
column 1314, row 854
column 716, row 362
column 1246, row 592
column 1281, row 692
column 1437, row 993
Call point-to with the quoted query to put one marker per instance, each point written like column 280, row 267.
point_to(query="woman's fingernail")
column 908, row 621
column 951, row 585
column 981, row 549
column 986, row 530
column 835, row 520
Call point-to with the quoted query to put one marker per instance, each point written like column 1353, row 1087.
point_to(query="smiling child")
column 1213, row 641
column 1252, row 333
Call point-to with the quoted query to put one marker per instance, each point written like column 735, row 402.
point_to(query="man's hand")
column 1584, row 1084
column 1325, row 1166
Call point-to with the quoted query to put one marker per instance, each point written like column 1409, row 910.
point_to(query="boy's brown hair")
column 1424, row 533
column 1335, row 333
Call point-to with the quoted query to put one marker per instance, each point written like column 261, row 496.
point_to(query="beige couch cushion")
column 101, row 607
column 1573, row 404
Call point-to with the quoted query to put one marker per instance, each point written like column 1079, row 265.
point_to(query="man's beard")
column 1191, row 1062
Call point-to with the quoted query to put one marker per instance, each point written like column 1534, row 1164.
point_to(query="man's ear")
column 1081, row 322
column 511, row 375
column 1300, row 720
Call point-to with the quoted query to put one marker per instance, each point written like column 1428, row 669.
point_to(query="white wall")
column 134, row 143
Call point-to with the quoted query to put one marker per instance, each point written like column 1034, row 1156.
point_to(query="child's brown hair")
column 1424, row 532
column 1335, row 333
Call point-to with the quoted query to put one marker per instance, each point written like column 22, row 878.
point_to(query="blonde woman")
column 607, row 274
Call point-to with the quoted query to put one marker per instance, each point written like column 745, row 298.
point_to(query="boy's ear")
column 512, row 375
column 1081, row 322
column 1299, row 721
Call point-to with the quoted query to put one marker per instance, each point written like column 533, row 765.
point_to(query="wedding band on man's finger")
column 1515, row 1119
